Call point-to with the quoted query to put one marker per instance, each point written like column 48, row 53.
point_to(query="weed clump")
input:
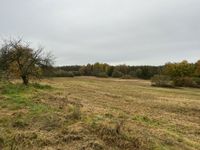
column 24, row 140
column 74, row 112
column 146, row 120
column 93, row 145
column 20, row 124
column 50, row 122
column 1, row 142
column 10, row 89
column 40, row 86
column 115, row 137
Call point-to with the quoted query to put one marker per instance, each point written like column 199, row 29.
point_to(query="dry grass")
column 91, row 113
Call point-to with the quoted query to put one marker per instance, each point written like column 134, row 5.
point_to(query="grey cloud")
column 113, row 31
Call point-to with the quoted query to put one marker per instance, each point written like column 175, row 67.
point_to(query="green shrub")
column 132, row 74
column 126, row 77
column 74, row 112
column 69, row 74
column 9, row 88
column 187, row 82
column 165, row 81
column 40, row 86
column 1, row 142
column 76, row 73
column 197, row 81
column 117, row 74
column 19, row 123
column 161, row 81
column 102, row 75
column 62, row 73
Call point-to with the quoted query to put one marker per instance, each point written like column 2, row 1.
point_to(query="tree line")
column 19, row 60
column 169, row 75
column 106, row 70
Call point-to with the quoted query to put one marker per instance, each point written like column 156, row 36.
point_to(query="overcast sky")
column 134, row 32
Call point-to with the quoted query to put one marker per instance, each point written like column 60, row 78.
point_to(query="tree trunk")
column 25, row 80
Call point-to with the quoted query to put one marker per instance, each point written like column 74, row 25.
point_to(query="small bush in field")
column 74, row 112
column 132, row 74
column 126, row 77
column 187, row 82
column 69, row 74
column 197, row 81
column 102, row 75
column 40, row 86
column 1, row 142
column 117, row 74
column 162, row 81
column 62, row 73
column 76, row 73
column 19, row 124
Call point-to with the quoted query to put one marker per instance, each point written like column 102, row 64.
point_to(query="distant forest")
column 105, row 70
column 170, row 74
column 19, row 60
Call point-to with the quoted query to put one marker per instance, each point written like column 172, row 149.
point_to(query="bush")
column 132, row 74
column 74, row 112
column 102, row 75
column 165, row 81
column 183, row 81
column 139, row 73
column 62, row 73
column 76, row 73
column 40, row 86
column 117, row 74
column 187, row 82
column 69, row 74
column 197, row 81
column 161, row 81
column 126, row 77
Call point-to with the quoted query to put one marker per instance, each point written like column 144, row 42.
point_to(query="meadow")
column 88, row 113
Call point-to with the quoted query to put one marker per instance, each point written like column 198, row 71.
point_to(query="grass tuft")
column 41, row 86
column 21, row 124
column 146, row 120
column 74, row 112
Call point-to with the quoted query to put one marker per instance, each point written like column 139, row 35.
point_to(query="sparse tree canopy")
column 18, row 59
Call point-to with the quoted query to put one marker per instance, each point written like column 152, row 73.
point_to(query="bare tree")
column 17, row 59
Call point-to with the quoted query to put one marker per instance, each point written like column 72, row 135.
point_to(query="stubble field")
column 86, row 113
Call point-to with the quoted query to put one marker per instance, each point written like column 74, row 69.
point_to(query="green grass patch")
column 10, row 88
column 14, row 89
column 41, row 86
column 18, row 96
column 146, row 120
